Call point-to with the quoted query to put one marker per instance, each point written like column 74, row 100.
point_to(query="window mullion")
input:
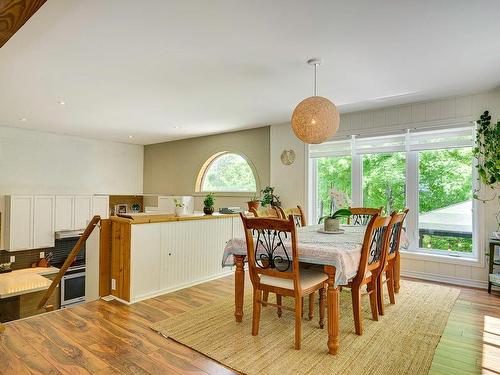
column 356, row 180
column 412, row 198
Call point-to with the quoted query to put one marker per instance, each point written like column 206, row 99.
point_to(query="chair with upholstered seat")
column 298, row 215
column 273, row 264
column 370, row 266
column 266, row 212
column 362, row 215
column 390, row 260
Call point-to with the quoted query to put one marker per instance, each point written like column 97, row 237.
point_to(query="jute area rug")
column 403, row 341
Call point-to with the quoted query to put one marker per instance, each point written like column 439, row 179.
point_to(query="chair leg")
column 265, row 298
column 311, row 305
column 302, row 307
column 279, row 302
column 380, row 295
column 256, row 311
column 372, row 289
column 356, row 309
column 389, row 275
column 322, row 305
column 298, row 321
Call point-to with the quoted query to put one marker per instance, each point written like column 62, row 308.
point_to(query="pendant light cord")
column 315, row 79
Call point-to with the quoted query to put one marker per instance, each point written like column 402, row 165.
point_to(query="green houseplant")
column 179, row 207
column 487, row 154
column 269, row 198
column 253, row 203
column 332, row 221
column 208, row 204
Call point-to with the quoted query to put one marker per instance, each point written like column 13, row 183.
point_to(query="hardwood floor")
column 111, row 338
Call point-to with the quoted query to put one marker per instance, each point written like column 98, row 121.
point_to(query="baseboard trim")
column 178, row 287
column 446, row 279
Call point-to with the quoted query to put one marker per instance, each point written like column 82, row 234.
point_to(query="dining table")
column 337, row 253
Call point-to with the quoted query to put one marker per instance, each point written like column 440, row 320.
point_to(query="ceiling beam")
column 14, row 14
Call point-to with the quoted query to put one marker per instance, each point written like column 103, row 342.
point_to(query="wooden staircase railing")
column 71, row 257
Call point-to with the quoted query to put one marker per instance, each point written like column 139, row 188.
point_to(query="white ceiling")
column 160, row 70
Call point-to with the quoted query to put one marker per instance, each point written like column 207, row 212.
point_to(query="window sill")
column 442, row 258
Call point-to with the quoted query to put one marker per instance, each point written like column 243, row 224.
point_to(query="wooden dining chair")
column 390, row 258
column 298, row 214
column 362, row 215
column 274, row 268
column 369, row 269
column 266, row 212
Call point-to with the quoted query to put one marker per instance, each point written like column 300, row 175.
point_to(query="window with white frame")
column 430, row 172
column 226, row 172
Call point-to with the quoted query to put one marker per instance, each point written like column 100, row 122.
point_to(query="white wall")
column 291, row 182
column 288, row 180
column 33, row 162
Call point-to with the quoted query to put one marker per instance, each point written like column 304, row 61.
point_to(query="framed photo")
column 121, row 208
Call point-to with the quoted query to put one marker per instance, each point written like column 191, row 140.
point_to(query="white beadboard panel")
column 404, row 114
column 445, row 279
column 392, row 117
column 446, row 269
column 238, row 231
column 379, row 119
column 145, row 266
column 463, row 271
column 431, row 268
column 356, row 120
column 367, row 120
column 479, row 273
column 448, row 108
column 171, row 255
column 433, row 111
column 418, row 112
column 463, row 106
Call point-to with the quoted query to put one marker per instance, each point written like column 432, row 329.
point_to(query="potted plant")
column 332, row 221
column 208, row 204
column 179, row 207
column 269, row 198
column 253, row 203
column 487, row 154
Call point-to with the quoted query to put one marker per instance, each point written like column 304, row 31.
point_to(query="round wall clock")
column 288, row 157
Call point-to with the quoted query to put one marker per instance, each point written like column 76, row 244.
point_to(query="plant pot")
column 332, row 225
column 253, row 204
column 208, row 210
column 179, row 211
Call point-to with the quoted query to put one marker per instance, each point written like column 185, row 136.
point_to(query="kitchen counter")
column 145, row 218
column 25, row 281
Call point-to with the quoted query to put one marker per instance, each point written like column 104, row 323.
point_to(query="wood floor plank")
column 113, row 338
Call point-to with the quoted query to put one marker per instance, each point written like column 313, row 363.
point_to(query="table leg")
column 332, row 305
column 396, row 273
column 239, row 286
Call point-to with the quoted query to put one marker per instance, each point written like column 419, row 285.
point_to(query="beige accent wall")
column 171, row 168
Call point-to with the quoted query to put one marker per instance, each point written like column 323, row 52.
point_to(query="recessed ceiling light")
column 23, row 119
column 130, row 136
column 61, row 102
column 176, row 127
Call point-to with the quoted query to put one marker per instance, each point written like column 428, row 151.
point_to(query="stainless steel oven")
column 73, row 286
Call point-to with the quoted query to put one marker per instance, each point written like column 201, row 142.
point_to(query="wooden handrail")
column 71, row 257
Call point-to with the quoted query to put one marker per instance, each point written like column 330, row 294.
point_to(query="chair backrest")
column 266, row 252
column 362, row 215
column 298, row 215
column 265, row 212
column 395, row 235
column 374, row 245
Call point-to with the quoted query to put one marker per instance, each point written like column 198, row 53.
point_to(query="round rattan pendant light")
column 315, row 119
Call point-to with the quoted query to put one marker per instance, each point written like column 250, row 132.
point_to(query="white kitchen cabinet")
column 65, row 205
column 19, row 222
column 83, row 211
column 100, row 206
column 43, row 221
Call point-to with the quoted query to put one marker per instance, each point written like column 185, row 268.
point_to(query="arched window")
column 226, row 172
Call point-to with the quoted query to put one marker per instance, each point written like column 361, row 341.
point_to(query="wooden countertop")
column 161, row 218
column 27, row 280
